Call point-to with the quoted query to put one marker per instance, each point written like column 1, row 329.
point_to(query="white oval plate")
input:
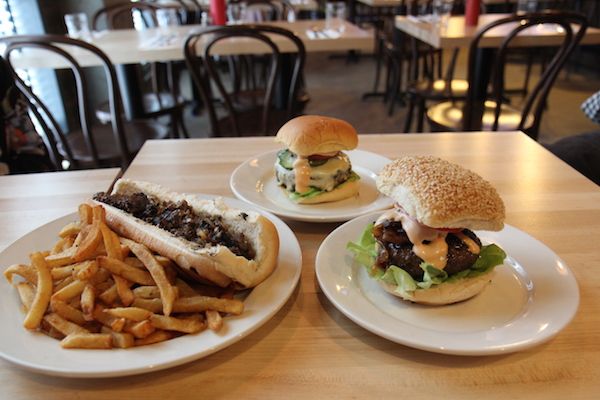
column 531, row 298
column 254, row 181
column 40, row 353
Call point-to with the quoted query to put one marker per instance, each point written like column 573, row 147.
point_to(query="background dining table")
column 309, row 349
column 458, row 34
column 128, row 47
column 131, row 46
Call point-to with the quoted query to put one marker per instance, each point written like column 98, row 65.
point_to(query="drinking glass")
column 526, row 6
column 236, row 13
column 78, row 26
column 441, row 10
column 335, row 14
column 166, row 18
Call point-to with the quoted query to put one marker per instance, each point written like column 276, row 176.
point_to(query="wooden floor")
column 336, row 86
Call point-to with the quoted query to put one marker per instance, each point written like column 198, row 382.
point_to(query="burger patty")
column 180, row 220
column 396, row 249
column 325, row 174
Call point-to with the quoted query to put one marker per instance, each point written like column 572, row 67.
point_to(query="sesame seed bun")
column 312, row 134
column 440, row 194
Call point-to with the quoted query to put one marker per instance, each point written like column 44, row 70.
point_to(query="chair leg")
column 394, row 94
column 183, row 132
column 396, row 84
column 409, row 115
column 420, row 115
column 379, row 55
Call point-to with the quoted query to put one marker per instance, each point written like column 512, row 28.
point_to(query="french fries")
column 96, row 290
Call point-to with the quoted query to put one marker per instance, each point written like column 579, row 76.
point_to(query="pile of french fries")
column 97, row 290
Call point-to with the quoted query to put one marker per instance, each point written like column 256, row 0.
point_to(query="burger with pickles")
column 313, row 167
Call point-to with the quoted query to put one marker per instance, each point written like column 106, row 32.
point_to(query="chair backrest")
column 155, row 77
column 190, row 12
column 204, row 69
column 121, row 15
column 573, row 26
column 62, row 49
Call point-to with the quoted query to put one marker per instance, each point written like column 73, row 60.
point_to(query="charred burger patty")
column 396, row 249
column 325, row 175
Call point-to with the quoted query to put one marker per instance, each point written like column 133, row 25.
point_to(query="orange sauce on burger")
column 428, row 243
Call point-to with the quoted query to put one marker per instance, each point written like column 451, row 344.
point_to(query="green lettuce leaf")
column 366, row 252
column 313, row 192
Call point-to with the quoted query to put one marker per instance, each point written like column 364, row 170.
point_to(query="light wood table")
column 309, row 350
column 457, row 34
column 130, row 46
column 31, row 200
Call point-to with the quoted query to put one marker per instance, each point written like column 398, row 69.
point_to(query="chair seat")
column 154, row 106
column 447, row 116
column 136, row 132
column 439, row 89
column 248, row 100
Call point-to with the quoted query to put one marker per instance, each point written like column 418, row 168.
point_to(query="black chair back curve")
column 86, row 145
column 536, row 101
column 120, row 15
column 157, row 83
column 281, row 82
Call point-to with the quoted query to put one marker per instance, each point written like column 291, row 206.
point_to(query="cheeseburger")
column 424, row 250
column 313, row 168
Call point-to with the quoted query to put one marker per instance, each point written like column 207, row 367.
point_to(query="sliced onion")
column 323, row 156
column 449, row 230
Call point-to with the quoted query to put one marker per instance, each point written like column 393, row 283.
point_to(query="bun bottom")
column 340, row 192
column 445, row 293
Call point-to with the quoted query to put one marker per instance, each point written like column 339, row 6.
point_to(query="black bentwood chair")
column 486, row 107
column 158, row 81
column 235, row 110
column 85, row 145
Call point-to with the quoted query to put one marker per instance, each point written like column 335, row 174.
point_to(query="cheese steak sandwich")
column 210, row 241
column 313, row 168
column 424, row 250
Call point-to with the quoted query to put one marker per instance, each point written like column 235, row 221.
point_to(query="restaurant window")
column 24, row 17
column 7, row 26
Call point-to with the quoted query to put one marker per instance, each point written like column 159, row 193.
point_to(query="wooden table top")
column 396, row 3
column 32, row 200
column 130, row 46
column 457, row 34
column 309, row 349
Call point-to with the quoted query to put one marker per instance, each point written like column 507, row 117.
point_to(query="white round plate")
column 40, row 353
column 254, row 181
column 531, row 298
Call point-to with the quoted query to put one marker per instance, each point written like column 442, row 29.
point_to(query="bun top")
column 313, row 134
column 440, row 194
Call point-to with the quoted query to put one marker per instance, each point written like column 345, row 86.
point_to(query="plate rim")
column 289, row 268
column 415, row 341
column 297, row 216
